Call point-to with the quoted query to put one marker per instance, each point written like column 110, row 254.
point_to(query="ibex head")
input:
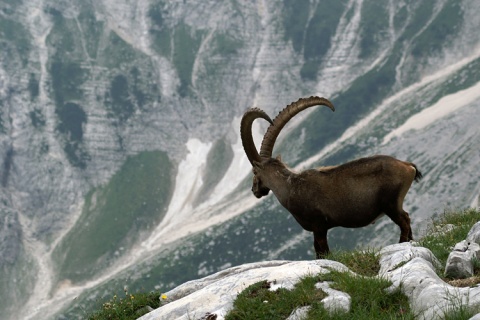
column 264, row 162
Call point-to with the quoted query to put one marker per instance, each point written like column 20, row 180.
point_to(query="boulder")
column 460, row 261
column 299, row 313
column 474, row 233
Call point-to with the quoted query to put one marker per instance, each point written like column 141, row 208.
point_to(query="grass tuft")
column 365, row 262
column 259, row 302
column 129, row 307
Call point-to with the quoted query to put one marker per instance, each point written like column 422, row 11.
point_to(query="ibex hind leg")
column 320, row 244
column 402, row 219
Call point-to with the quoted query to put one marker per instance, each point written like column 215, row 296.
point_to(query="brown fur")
column 351, row 195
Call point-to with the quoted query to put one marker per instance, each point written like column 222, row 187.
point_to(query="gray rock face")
column 460, row 260
column 474, row 233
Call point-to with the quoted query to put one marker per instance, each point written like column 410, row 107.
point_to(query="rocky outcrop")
column 461, row 259
column 215, row 294
column 410, row 268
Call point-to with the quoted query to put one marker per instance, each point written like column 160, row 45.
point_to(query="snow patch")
column 442, row 108
column 239, row 167
column 187, row 184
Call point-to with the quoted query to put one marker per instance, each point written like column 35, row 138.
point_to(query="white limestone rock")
column 459, row 265
column 429, row 296
column 475, row 317
column 394, row 256
column 299, row 313
column 474, row 233
column 215, row 294
column 460, row 261
column 336, row 300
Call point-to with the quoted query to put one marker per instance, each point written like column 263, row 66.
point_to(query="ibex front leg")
column 320, row 243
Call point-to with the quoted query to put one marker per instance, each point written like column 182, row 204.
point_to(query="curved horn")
column 284, row 116
column 246, row 132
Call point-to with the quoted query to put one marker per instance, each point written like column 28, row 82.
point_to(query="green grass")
column 130, row 307
column 33, row 86
column 295, row 17
column 181, row 45
column 258, row 302
column 118, row 53
column 364, row 262
column 38, row 118
column 370, row 300
column 225, row 45
column 120, row 102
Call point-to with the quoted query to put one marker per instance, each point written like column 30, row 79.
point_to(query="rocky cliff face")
column 119, row 129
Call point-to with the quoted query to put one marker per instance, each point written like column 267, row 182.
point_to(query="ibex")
column 350, row 195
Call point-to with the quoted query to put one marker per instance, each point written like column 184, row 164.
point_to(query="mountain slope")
column 119, row 131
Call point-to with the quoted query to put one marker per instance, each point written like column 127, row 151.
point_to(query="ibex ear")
column 279, row 158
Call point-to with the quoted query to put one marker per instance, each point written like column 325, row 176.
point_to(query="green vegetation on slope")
column 114, row 216
column 314, row 39
column 442, row 29
column 15, row 40
column 179, row 43
column 67, row 78
column 131, row 306
column 375, row 27
column 186, row 44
